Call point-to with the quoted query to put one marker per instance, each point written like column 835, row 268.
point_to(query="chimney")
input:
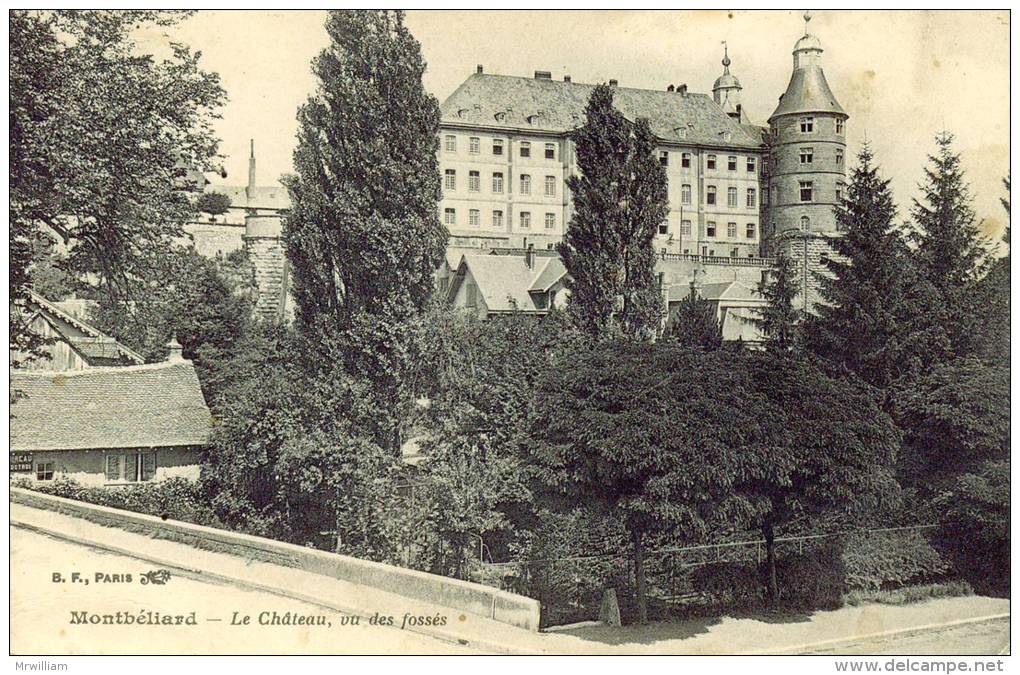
column 479, row 69
column 682, row 89
column 566, row 78
column 543, row 75
column 529, row 256
column 613, row 83
column 670, row 88
column 176, row 351
column 250, row 191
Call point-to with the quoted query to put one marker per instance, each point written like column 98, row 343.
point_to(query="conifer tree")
column 619, row 201
column 778, row 321
column 363, row 236
column 862, row 324
column 695, row 323
column 950, row 253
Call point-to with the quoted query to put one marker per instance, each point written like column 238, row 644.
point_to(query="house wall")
column 214, row 239
column 88, row 467
column 60, row 354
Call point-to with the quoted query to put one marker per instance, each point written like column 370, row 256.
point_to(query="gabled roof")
column 557, row 107
column 154, row 405
column 263, row 196
column 505, row 282
column 91, row 343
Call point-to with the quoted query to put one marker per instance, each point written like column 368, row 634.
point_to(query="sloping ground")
column 832, row 632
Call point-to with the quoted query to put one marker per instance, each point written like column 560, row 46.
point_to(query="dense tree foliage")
column 779, row 321
column 619, row 201
column 102, row 136
column 213, row 203
column 363, row 236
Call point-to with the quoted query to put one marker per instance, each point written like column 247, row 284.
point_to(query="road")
column 988, row 637
column 41, row 611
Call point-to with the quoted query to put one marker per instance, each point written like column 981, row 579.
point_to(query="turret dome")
column 808, row 43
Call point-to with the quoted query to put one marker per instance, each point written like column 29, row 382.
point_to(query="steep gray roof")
column 554, row 106
column 153, row 405
column 505, row 282
column 807, row 92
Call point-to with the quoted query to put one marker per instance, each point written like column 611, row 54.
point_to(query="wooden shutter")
column 131, row 466
column 113, row 467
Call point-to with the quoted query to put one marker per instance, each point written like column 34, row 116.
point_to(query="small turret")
column 726, row 90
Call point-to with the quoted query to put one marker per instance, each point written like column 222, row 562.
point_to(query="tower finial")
column 726, row 56
column 807, row 20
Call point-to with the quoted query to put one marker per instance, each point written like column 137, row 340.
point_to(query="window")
column 710, row 161
column 685, row 194
column 839, row 191
column 752, row 198
column 525, row 220
column 807, row 155
column 807, row 125
column 685, row 228
column 733, row 253
column 752, row 165
column 731, row 197
column 525, row 184
column 710, row 195
column 474, row 145
column 806, row 191
column 839, row 126
column 525, row 149
column 474, row 218
column 664, row 158
column 750, row 230
column 497, row 146
column 664, row 227
column 550, row 186
column 497, row 182
column 497, row 219
column 474, row 181
column 550, row 151
column 805, row 223
column 450, row 180
column 685, row 160
column 731, row 163
column 451, row 143
column 130, row 467
column 44, row 471
column 839, row 157
column 710, row 229
column 550, row 221
column 731, row 230
column 450, row 216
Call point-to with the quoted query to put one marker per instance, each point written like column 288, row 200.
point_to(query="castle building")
column 737, row 191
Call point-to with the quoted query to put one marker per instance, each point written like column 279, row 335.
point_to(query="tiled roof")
column 551, row 270
column 505, row 282
column 557, row 107
column 153, row 405
column 264, row 196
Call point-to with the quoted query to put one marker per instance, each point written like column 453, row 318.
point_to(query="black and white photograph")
column 380, row 332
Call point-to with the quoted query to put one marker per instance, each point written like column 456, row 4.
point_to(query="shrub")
column 909, row 594
column 884, row 560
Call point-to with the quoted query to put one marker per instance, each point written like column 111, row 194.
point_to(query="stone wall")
column 807, row 252
column 264, row 244
column 214, row 239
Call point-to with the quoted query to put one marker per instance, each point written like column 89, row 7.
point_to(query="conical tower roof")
column 808, row 91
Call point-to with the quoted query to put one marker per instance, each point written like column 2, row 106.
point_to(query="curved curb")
column 871, row 636
column 204, row 575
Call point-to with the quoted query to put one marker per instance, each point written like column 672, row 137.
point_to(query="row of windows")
column 710, row 229
column 750, row 196
column 711, row 161
column 808, row 125
column 807, row 156
column 475, row 146
column 475, row 182
column 475, row 218
column 131, row 466
column 807, row 191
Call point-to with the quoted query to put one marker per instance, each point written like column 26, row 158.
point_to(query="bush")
column 910, row 594
column 174, row 498
column 883, row 560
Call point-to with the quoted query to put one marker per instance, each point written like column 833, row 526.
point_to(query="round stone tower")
column 807, row 163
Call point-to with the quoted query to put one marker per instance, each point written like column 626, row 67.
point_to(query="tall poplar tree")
column 869, row 293
column 363, row 236
column 620, row 199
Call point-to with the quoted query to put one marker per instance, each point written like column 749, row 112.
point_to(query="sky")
column 903, row 76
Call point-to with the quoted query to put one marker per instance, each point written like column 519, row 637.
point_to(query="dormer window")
column 500, row 116
column 681, row 132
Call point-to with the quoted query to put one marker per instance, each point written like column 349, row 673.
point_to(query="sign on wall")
column 21, row 462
